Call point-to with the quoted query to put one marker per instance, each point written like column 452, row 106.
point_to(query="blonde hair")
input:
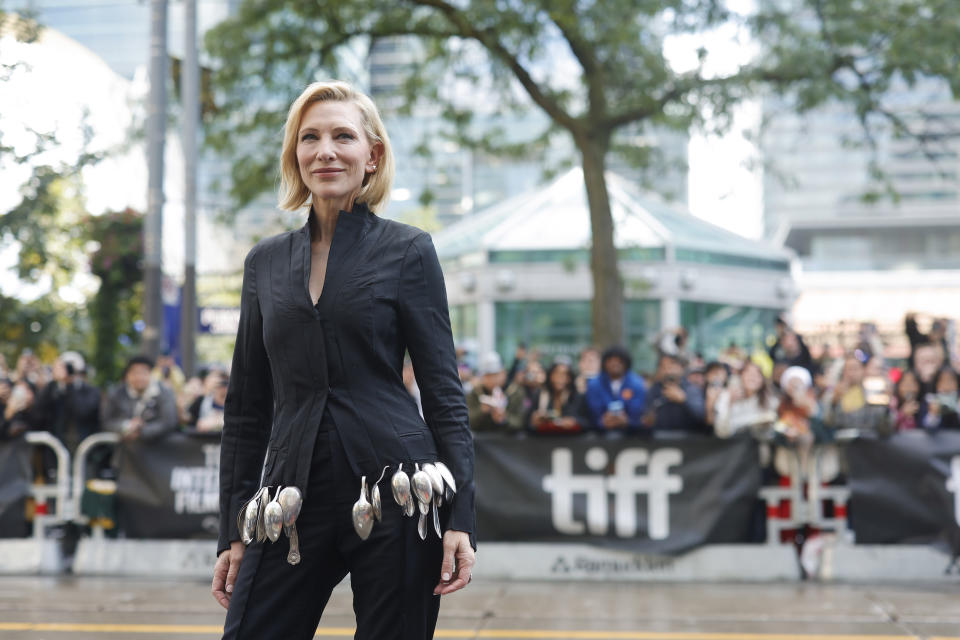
column 375, row 191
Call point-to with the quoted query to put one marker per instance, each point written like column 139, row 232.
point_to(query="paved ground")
column 88, row 608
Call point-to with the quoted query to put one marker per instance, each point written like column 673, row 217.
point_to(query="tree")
column 117, row 261
column 812, row 52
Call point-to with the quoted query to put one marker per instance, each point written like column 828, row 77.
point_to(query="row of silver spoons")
column 264, row 518
column 430, row 484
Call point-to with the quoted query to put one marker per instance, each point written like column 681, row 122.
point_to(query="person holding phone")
column 616, row 398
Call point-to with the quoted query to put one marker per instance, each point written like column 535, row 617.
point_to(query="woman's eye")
column 308, row 136
column 345, row 135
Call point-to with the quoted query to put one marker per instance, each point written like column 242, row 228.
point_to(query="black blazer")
column 383, row 294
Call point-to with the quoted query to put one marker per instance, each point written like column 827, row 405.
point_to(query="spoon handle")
column 422, row 526
column 294, row 556
column 436, row 519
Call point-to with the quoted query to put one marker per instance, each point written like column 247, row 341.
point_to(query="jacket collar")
column 350, row 228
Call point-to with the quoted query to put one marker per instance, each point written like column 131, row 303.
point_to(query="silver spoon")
column 262, row 498
column 447, row 478
column 249, row 529
column 422, row 526
column 375, row 496
column 436, row 481
column 291, row 501
column 436, row 516
column 363, row 512
column 422, row 489
column 273, row 518
column 400, row 485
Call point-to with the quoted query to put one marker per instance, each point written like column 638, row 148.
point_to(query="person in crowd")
column 928, row 360
column 519, row 362
column 941, row 410
column 169, row 373
column 30, row 369
column 800, row 427
column 906, row 402
column 673, row 404
column 937, row 337
column 790, row 349
column 206, row 411
column 488, row 405
column 588, row 367
column 410, row 382
column 697, row 376
column 524, row 392
column 19, row 408
column 734, row 356
column 466, row 377
column 857, row 402
column 139, row 407
column 69, row 406
column 558, row 406
column 192, row 389
column 616, row 398
column 715, row 379
column 746, row 403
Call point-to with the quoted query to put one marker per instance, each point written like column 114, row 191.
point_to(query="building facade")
column 876, row 228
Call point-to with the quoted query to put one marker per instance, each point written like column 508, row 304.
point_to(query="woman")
column 906, row 401
column 558, row 405
column 746, row 404
column 941, row 407
column 316, row 398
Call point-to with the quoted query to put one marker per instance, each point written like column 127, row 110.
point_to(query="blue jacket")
column 632, row 394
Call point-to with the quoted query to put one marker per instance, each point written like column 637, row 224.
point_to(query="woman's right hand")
column 225, row 573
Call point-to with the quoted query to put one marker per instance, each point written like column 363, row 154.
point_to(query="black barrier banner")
column 905, row 488
column 14, row 487
column 657, row 496
column 168, row 488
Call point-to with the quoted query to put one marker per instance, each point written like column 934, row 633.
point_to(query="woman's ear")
column 376, row 154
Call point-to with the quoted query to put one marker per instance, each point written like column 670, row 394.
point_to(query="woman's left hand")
column 458, row 560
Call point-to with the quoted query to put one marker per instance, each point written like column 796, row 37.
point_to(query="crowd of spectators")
column 150, row 400
column 785, row 394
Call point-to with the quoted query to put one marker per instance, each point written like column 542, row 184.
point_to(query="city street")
column 88, row 608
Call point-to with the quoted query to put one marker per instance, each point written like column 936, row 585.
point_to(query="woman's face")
column 333, row 152
column 560, row 378
column 909, row 386
column 752, row 380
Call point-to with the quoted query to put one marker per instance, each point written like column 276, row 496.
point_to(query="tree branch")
column 585, row 55
column 488, row 39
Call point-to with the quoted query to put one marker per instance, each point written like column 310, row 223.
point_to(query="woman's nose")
column 325, row 149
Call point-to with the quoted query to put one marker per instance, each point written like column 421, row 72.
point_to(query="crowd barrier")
column 652, row 499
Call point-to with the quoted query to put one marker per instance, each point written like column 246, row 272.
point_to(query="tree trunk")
column 607, row 307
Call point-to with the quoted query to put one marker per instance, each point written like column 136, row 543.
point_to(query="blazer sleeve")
column 425, row 327
column 248, row 411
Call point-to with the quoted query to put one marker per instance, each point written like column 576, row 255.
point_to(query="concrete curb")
column 521, row 561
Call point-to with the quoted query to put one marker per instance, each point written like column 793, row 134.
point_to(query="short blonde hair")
column 376, row 186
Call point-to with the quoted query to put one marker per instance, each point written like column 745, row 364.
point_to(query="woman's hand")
column 225, row 573
column 458, row 560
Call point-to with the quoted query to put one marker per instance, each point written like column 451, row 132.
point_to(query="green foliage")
column 117, row 262
column 591, row 68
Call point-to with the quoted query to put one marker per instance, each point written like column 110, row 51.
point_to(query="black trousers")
column 392, row 573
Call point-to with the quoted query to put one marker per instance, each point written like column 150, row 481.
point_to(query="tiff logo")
column 953, row 486
column 626, row 484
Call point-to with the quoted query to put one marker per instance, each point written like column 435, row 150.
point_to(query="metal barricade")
column 807, row 497
column 63, row 504
column 80, row 470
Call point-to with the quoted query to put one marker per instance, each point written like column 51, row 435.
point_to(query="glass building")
column 519, row 272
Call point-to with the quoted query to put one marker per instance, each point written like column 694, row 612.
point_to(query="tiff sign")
column 635, row 472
